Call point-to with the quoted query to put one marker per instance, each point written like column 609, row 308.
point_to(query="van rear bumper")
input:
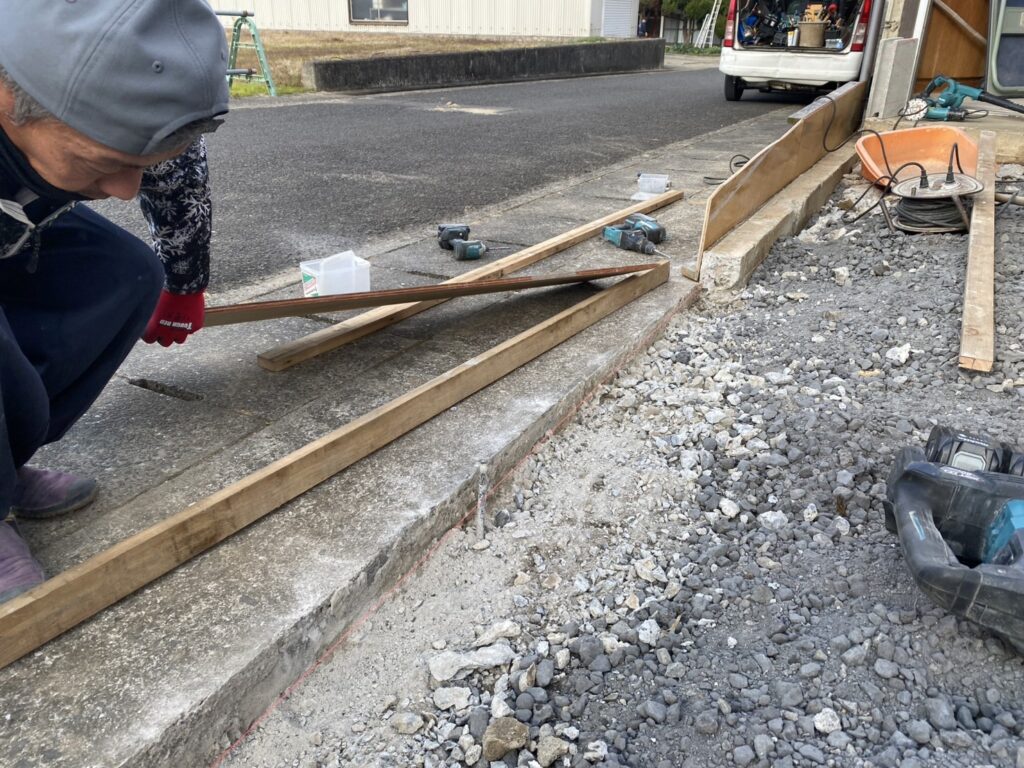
column 759, row 68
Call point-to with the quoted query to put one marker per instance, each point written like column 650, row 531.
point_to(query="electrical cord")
column 921, row 215
column 936, row 214
column 904, row 113
column 736, row 162
column 927, row 214
column 889, row 179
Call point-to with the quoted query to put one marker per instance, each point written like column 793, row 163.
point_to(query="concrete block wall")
column 447, row 69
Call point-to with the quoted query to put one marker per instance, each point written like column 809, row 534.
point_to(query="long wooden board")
column 778, row 164
column 286, row 355
column 57, row 605
column 270, row 310
column 978, row 332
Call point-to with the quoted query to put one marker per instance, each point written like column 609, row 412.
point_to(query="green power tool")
column 948, row 104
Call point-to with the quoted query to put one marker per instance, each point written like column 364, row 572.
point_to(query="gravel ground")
column 695, row 572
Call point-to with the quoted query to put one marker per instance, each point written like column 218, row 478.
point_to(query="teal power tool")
column 471, row 250
column 629, row 239
column 448, row 233
column 948, row 104
column 649, row 225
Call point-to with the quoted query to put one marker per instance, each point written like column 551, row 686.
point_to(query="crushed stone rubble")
column 704, row 577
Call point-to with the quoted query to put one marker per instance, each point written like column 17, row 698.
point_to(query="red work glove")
column 176, row 316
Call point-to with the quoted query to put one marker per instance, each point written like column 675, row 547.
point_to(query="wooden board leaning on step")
column 57, row 605
column 778, row 164
column 978, row 333
column 230, row 314
column 286, row 355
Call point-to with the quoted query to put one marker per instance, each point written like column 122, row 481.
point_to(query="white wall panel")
column 532, row 18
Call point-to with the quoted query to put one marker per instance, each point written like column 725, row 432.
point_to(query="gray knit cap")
column 126, row 73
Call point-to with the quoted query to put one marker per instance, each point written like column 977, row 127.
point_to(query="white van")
column 784, row 45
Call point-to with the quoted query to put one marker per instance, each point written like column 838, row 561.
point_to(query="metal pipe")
column 867, row 65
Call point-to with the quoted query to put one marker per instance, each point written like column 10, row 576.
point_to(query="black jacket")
column 175, row 199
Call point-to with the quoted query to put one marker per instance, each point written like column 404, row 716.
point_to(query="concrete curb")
column 402, row 73
column 734, row 258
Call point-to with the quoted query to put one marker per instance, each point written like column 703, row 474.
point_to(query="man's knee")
column 131, row 270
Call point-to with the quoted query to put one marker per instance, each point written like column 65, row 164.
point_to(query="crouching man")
column 93, row 95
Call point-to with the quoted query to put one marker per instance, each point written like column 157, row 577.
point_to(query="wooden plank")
column 270, row 310
column 782, row 161
column 57, row 605
column 978, row 333
column 291, row 353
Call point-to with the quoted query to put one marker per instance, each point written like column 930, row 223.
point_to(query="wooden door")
column 949, row 48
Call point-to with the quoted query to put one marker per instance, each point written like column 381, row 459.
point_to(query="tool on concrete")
column 269, row 310
column 630, row 240
column 649, row 225
column 960, row 518
column 292, row 353
column 446, row 233
column 471, row 250
column 948, row 104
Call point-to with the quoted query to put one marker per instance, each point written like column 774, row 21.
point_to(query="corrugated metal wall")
column 620, row 18
column 534, row 18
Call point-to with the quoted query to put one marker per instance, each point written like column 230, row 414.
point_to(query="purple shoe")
column 19, row 571
column 42, row 493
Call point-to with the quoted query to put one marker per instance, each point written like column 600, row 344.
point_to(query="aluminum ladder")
column 706, row 36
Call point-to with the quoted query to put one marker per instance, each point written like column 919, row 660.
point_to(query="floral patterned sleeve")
column 175, row 199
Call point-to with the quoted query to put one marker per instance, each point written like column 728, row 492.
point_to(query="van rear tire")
column 733, row 88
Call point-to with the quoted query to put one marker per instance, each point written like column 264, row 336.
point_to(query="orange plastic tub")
column 929, row 145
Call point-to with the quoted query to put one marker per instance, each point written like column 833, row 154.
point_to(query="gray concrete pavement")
column 173, row 674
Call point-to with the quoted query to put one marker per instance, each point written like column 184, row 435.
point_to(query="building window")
column 385, row 11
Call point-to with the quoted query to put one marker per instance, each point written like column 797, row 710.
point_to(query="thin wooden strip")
column 28, row 621
column 270, row 310
column 978, row 333
column 778, row 164
column 291, row 353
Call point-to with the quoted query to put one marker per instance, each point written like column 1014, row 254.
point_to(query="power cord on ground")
column 736, row 162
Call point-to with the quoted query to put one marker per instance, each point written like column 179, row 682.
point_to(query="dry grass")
column 286, row 51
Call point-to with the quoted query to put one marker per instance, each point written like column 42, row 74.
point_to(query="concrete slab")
column 172, row 674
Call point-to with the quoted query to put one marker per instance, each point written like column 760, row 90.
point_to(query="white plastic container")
column 340, row 273
column 652, row 183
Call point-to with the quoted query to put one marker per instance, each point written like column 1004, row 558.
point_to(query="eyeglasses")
column 17, row 212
